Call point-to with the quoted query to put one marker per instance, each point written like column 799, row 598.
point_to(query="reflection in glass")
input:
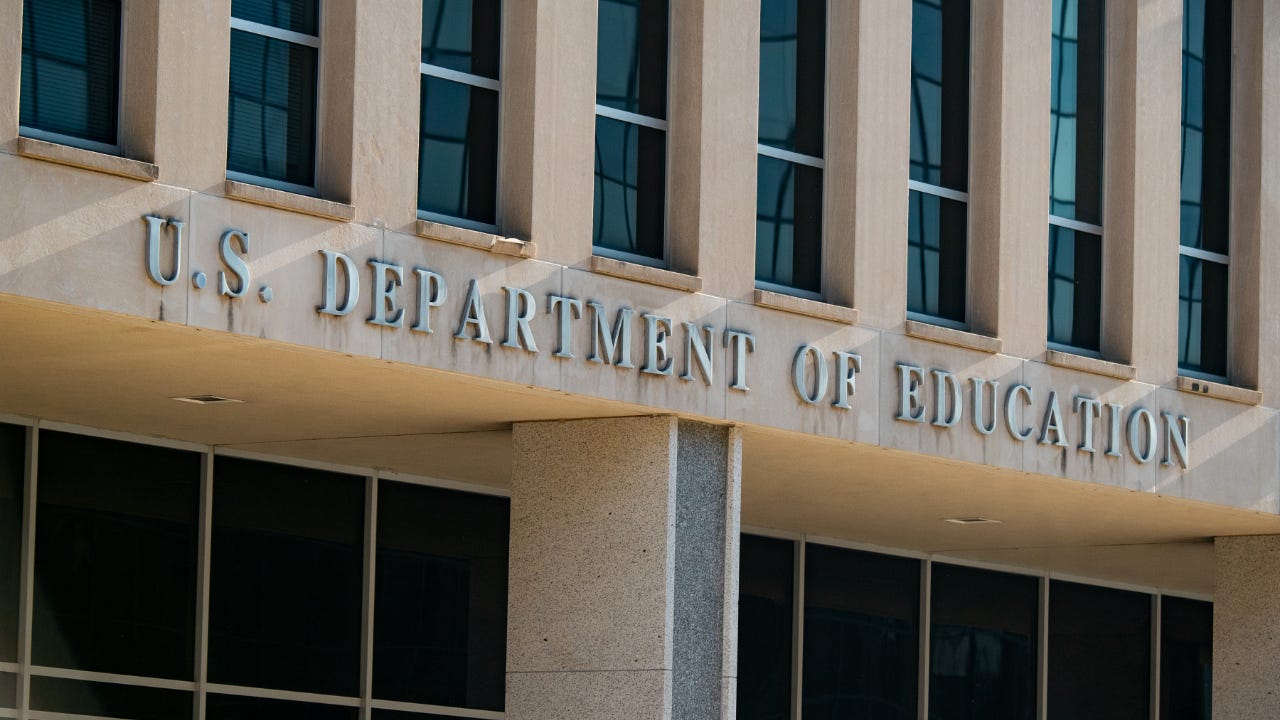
column 788, row 223
column 861, row 635
column 462, row 35
column 234, row 707
column 936, row 256
column 1206, row 124
column 272, row 111
column 765, row 620
column 1075, row 287
column 286, row 578
column 441, row 598
column 12, row 463
column 630, row 184
column 80, row 698
column 115, row 557
column 792, row 74
column 297, row 15
column 940, row 92
column 983, row 644
column 631, row 56
column 1186, row 659
column 1202, row 316
column 1099, row 653
column 1075, row 111
column 458, row 150
column 71, row 67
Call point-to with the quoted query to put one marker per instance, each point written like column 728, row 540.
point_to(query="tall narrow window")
column 789, row 167
column 12, row 462
column 938, row 217
column 71, row 72
column 458, row 129
column 1206, row 187
column 629, row 219
column 1075, row 186
column 275, row 47
column 766, row 618
column 1099, row 652
column 1186, row 659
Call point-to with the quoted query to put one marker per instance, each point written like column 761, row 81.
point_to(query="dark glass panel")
column 462, row 35
column 1099, row 653
column 1186, row 659
column 78, row 697
column 936, row 256
column 300, row 16
column 272, row 112
column 8, row 690
column 1075, row 287
column 940, row 92
column 287, row 578
column 458, row 150
column 1202, row 316
column 631, row 56
column 397, row 715
column 861, row 635
column 71, row 67
column 630, row 188
column 766, row 610
column 1206, row 124
column 13, row 451
column 983, row 644
column 1075, row 111
column 793, row 35
column 788, row 224
column 441, row 615
column 115, row 557
column 234, row 707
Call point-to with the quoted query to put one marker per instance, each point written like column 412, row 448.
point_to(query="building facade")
column 758, row 359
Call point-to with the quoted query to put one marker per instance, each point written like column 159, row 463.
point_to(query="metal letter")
column 910, row 407
column 1113, row 434
column 154, row 226
column 1092, row 408
column 1136, row 418
column 696, row 349
column 473, row 314
column 330, row 306
column 657, row 361
column 1053, row 423
column 1176, row 432
column 570, row 309
column 233, row 262
column 432, row 292
column 742, row 343
column 619, row 339
column 848, row 365
column 1010, row 419
column 386, row 278
column 942, row 381
column 520, row 309
column 978, row 405
column 800, row 382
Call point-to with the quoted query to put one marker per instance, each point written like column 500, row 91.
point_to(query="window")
column 789, row 166
column 1075, row 184
column 12, row 460
column 1206, row 188
column 766, row 605
column 629, row 218
column 1186, row 659
column 1099, row 652
column 71, row 72
column 937, row 220
column 275, row 47
column 458, row 129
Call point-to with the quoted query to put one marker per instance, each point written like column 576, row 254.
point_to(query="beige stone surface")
column 1246, row 634
column 87, row 159
column 589, row 695
column 10, row 82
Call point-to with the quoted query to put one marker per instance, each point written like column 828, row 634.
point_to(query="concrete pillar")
column 623, row 583
column 1246, row 628
column 10, row 82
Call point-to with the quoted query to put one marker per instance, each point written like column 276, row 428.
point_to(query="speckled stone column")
column 623, row 580
column 1246, row 628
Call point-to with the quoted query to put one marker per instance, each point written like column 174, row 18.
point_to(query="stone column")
column 623, row 585
column 1246, row 628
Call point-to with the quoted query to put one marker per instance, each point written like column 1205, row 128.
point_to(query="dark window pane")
column 631, row 56
column 983, row 644
column 287, row 578
column 1206, row 124
column 441, row 600
column 936, row 256
column 233, row 707
column 13, row 449
column 1099, row 653
column 940, row 92
column 1186, row 659
column 462, row 35
column 71, row 67
column 458, row 150
column 396, row 715
column 788, row 223
column 8, row 690
column 630, row 192
column 115, row 557
column 861, row 635
column 1075, row 111
column 272, row 113
column 793, row 36
column 765, row 621
column 109, row 700
column 1202, row 316
column 296, row 15
column 1075, row 287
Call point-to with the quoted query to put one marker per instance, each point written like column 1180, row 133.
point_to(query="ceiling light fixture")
column 971, row 521
column 206, row 399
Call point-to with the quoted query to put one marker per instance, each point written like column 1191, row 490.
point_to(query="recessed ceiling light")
column 206, row 399
column 971, row 521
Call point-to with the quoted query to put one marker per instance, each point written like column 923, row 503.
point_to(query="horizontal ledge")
column 476, row 239
column 87, row 159
column 271, row 197
column 646, row 274
column 1084, row 363
column 949, row 336
column 1219, row 390
column 805, row 306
